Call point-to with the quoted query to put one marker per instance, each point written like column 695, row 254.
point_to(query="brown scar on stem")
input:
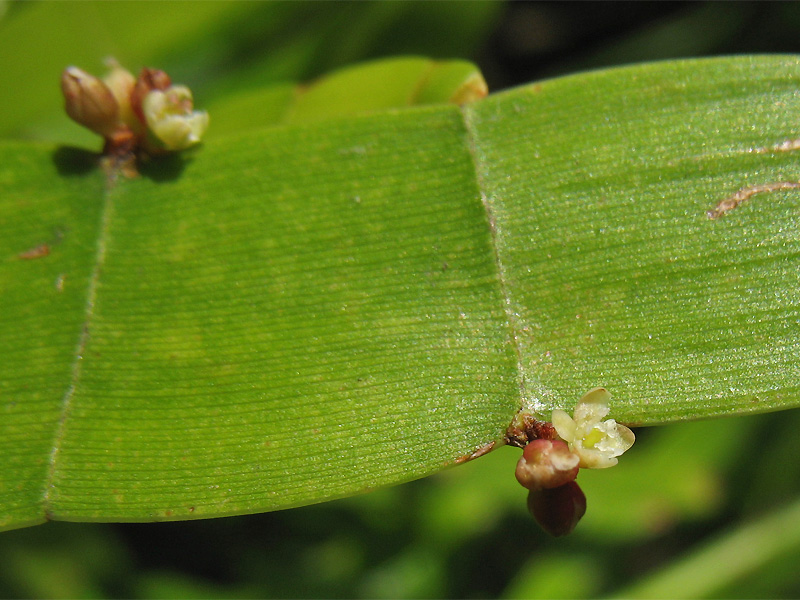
column 35, row 252
column 485, row 449
column 786, row 146
column 744, row 194
column 525, row 428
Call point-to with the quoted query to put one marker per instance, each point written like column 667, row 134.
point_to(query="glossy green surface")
column 299, row 313
column 599, row 186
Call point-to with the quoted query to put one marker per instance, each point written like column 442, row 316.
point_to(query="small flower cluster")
column 548, row 467
column 136, row 116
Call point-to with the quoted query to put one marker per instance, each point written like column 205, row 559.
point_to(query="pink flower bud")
column 89, row 102
column 546, row 464
column 558, row 510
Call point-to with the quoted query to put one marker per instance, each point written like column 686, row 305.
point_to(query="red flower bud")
column 558, row 510
column 546, row 464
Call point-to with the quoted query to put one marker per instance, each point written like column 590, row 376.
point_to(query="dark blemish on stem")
column 43, row 249
column 744, row 194
column 485, row 449
column 35, row 252
column 786, row 146
column 523, row 429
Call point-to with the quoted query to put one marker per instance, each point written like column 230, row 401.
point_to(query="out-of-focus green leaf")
column 83, row 34
column 218, row 48
column 250, row 109
column 774, row 482
column 378, row 85
column 557, row 575
column 302, row 41
column 716, row 567
column 388, row 84
column 305, row 312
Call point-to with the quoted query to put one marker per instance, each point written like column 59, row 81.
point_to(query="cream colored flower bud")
column 89, row 101
column 121, row 83
column 170, row 117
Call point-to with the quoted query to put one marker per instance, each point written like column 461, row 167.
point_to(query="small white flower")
column 598, row 443
column 170, row 117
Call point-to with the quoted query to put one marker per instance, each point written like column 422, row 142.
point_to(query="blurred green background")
column 705, row 509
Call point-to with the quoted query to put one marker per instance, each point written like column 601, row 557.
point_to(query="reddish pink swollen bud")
column 558, row 510
column 546, row 464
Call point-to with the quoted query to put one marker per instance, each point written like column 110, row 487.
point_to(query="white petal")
column 564, row 425
column 596, row 395
column 594, row 459
column 590, row 413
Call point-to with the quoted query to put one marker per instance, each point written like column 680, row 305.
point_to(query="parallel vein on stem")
column 75, row 372
column 469, row 128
